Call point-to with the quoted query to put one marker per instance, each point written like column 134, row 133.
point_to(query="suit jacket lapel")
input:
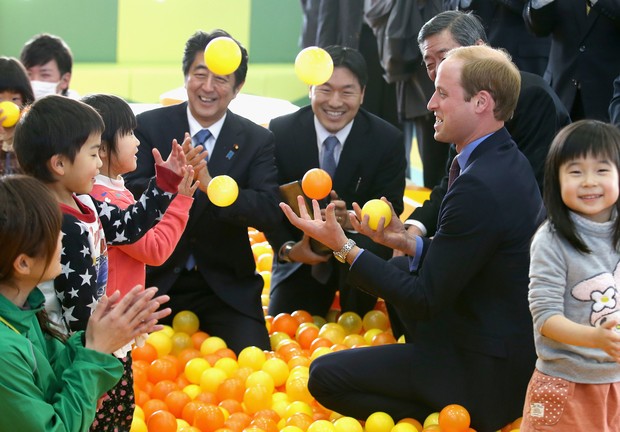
column 226, row 147
column 355, row 148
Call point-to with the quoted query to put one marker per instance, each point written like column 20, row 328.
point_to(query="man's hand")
column 302, row 252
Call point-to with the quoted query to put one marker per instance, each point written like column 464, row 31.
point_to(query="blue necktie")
column 329, row 161
column 201, row 138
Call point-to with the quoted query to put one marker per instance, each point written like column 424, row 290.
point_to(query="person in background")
column 461, row 296
column 212, row 271
column 49, row 61
column 49, row 381
column 367, row 162
column 584, row 60
column 575, row 266
column 504, row 25
column 14, row 87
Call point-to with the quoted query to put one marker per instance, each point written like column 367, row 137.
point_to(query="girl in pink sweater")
column 126, row 264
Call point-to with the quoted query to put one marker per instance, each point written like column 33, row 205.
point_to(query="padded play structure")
column 133, row 48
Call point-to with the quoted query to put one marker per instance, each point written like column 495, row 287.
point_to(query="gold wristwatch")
column 341, row 255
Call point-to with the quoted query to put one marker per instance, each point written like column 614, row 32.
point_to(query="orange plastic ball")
column 316, row 183
column 284, row 322
column 208, row 418
column 162, row 421
column 147, row 352
column 176, row 401
column 454, row 418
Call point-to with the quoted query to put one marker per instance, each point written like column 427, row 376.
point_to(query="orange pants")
column 555, row 404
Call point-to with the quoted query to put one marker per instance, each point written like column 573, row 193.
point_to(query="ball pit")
column 186, row 375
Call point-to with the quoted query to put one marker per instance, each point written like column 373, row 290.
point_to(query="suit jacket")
column 539, row 115
column 584, row 51
column 467, row 308
column 216, row 236
column 614, row 106
column 372, row 164
column 504, row 26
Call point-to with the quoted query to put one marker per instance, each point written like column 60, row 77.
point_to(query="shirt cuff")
column 537, row 4
column 166, row 179
column 356, row 257
column 414, row 261
column 418, row 224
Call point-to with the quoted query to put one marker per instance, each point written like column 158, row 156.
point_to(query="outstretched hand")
column 176, row 159
column 394, row 235
column 116, row 322
column 608, row 339
column 328, row 231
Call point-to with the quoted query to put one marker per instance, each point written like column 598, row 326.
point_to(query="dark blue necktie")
column 201, row 138
column 329, row 160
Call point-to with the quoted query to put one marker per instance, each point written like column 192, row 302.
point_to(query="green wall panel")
column 275, row 30
column 155, row 31
column 88, row 26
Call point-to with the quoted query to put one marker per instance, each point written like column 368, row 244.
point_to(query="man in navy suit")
column 584, row 60
column 212, row 270
column 461, row 296
column 369, row 162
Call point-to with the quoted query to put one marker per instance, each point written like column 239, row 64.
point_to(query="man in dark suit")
column 370, row 163
column 212, row 270
column 584, row 60
column 537, row 118
column 466, row 310
column 505, row 28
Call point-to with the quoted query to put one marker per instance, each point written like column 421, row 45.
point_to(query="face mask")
column 43, row 88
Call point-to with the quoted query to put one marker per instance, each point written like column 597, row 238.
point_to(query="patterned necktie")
column 455, row 171
column 329, row 161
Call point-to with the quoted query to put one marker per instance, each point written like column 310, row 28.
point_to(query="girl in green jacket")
column 49, row 383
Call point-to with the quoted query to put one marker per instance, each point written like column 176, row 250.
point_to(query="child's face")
column 125, row 160
column 80, row 175
column 10, row 95
column 589, row 187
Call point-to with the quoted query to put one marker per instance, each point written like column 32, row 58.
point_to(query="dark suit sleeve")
column 614, row 106
column 461, row 248
column 429, row 211
column 541, row 21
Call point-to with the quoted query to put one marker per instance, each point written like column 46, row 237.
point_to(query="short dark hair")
column 13, row 77
column 53, row 125
column 465, row 28
column 45, row 47
column 118, row 118
column 579, row 139
column 199, row 41
column 351, row 59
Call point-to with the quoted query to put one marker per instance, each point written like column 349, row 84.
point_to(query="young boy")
column 57, row 141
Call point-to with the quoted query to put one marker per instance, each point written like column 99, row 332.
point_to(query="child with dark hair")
column 14, row 87
column 49, row 382
column 117, row 152
column 57, row 141
column 574, row 291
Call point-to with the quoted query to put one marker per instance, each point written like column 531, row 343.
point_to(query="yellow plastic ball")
column 222, row 190
column 379, row 422
column 212, row 344
column 222, row 56
column 161, row 341
column 11, row 112
column 314, row 66
column 194, row 369
column 376, row 209
column 348, row 424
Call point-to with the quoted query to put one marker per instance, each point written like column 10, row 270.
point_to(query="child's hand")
column 115, row 323
column 176, row 160
column 195, row 156
column 608, row 339
column 188, row 186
